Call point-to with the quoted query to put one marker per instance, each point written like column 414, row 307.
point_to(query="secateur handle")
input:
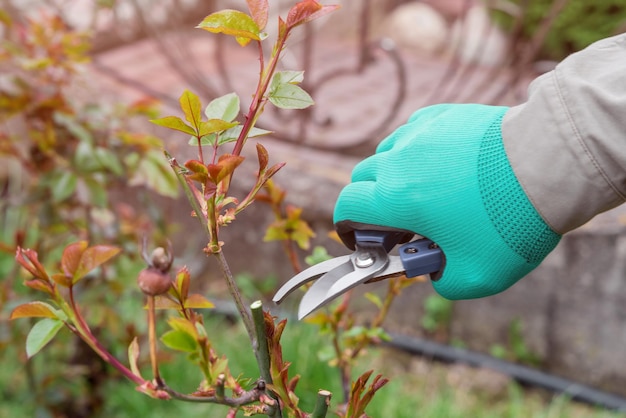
column 385, row 238
column 418, row 257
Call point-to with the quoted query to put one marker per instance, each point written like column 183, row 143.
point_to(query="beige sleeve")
column 567, row 143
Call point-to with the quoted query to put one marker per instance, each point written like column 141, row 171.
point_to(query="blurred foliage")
column 579, row 24
column 66, row 158
column 517, row 349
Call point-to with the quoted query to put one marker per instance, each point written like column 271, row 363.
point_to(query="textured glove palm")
column 445, row 175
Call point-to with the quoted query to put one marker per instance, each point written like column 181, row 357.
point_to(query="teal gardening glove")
column 445, row 175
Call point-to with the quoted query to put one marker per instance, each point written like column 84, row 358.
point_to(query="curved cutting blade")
column 316, row 295
column 343, row 278
column 307, row 275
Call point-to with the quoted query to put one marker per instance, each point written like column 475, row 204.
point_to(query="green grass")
column 417, row 387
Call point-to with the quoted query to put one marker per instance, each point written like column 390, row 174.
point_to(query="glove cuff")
column 506, row 204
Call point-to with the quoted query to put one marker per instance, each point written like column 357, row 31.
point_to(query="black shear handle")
column 352, row 233
column 387, row 240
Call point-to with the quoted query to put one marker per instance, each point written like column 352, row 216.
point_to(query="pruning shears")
column 369, row 262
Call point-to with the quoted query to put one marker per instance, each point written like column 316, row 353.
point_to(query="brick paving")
column 355, row 104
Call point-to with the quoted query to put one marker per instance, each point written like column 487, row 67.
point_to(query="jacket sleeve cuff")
column 567, row 143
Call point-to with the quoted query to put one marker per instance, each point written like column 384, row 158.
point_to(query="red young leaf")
column 323, row 12
column 213, row 171
column 62, row 279
column 226, row 164
column 28, row 259
column 259, row 9
column 33, row 310
column 41, row 285
column 71, row 257
column 199, row 170
column 302, row 11
column 92, row 257
column 263, row 156
column 273, row 170
column 307, row 10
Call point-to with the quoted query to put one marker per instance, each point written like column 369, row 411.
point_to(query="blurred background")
column 79, row 80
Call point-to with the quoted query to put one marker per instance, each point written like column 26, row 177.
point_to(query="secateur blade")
column 364, row 264
column 308, row 275
column 338, row 275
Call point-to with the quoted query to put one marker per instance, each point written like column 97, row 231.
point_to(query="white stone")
column 418, row 26
column 475, row 39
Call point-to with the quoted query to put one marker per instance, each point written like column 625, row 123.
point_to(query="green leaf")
column 34, row 309
column 229, row 135
column 73, row 126
column 375, row 299
column 63, row 186
column 181, row 283
column 184, row 325
column 83, row 157
column 41, row 334
column 180, row 341
column 97, row 192
column 219, row 367
column 355, row 331
column 318, row 255
column 379, row 333
column 108, row 160
column 155, row 173
column 290, row 96
column 214, row 126
column 175, row 123
column 225, row 107
column 233, row 23
column 191, row 107
column 286, row 77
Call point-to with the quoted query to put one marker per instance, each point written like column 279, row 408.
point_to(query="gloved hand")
column 445, row 175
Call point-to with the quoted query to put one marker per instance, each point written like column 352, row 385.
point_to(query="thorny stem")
column 83, row 331
column 290, row 249
column 245, row 398
column 236, row 295
column 200, row 153
column 342, row 364
column 257, row 103
column 152, row 338
column 262, row 352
